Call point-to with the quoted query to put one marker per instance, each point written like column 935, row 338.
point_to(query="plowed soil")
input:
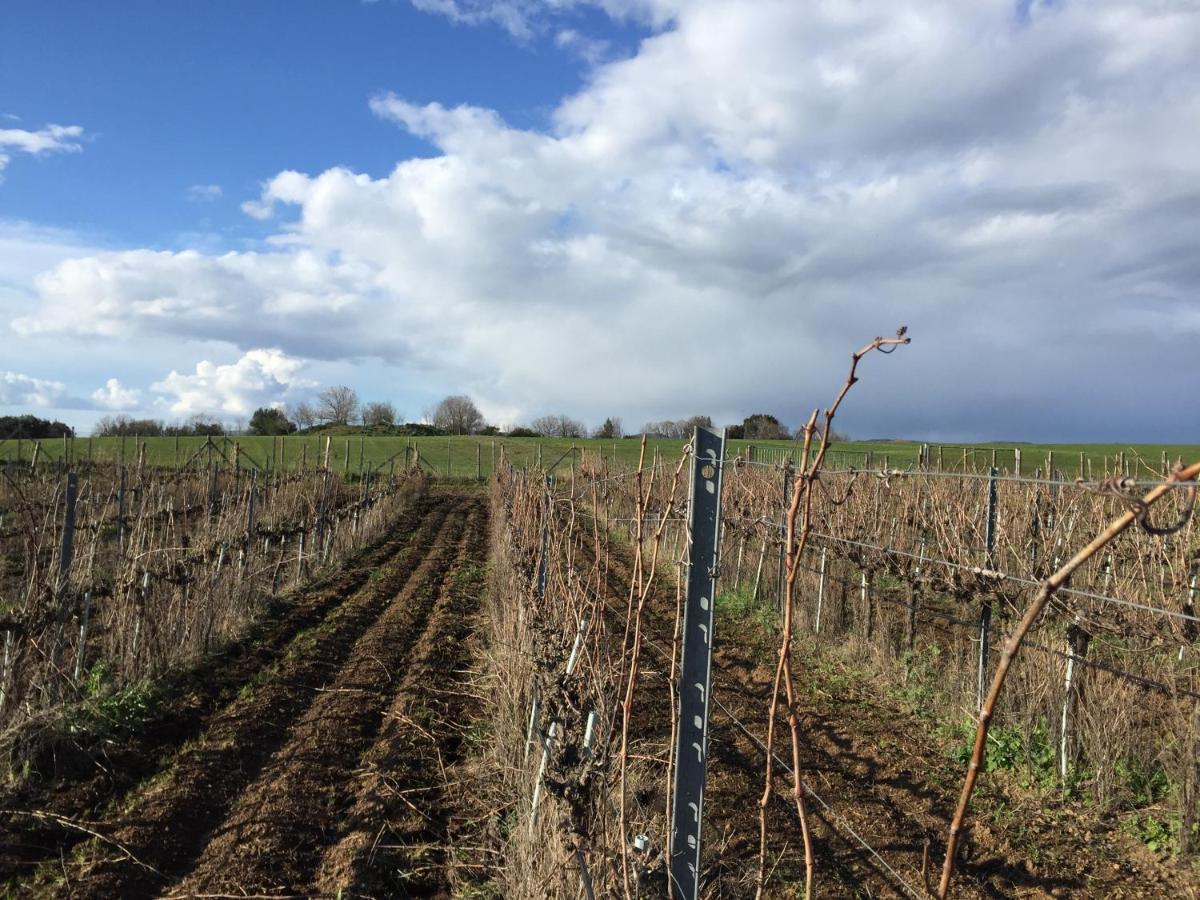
column 313, row 761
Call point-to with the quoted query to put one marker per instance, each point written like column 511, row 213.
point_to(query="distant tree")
column 489, row 430
column 205, row 425
column 763, row 427
column 27, row 426
column 735, row 432
column 561, row 426
column 458, row 414
column 610, row 429
column 522, row 431
column 379, row 414
column 124, row 426
column 270, row 420
column 678, row 429
column 303, row 415
column 337, row 405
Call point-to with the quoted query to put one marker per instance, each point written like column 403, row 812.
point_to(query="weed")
column 1028, row 754
column 1146, row 783
column 921, row 673
column 1152, row 831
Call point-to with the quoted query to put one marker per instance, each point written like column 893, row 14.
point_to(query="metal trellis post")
column 985, row 610
column 695, row 667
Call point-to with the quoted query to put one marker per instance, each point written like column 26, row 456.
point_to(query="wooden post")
column 478, row 461
column 1017, row 462
column 362, row 444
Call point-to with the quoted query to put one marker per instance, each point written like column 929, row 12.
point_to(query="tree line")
column 340, row 408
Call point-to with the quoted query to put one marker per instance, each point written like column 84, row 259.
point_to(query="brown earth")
column 295, row 769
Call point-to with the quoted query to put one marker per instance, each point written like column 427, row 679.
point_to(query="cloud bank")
column 711, row 225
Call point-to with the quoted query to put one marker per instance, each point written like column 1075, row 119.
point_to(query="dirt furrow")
column 274, row 835
column 75, row 778
column 396, row 835
column 167, row 823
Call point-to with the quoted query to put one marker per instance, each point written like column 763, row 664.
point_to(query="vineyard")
column 710, row 670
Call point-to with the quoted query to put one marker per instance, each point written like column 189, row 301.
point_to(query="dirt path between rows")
column 74, row 778
column 288, row 787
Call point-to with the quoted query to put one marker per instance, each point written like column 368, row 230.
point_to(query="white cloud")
column 22, row 390
column 589, row 49
column 710, row 225
column 258, row 378
column 50, row 139
column 203, row 193
column 116, row 397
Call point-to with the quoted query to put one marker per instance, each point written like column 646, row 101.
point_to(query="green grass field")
column 467, row 457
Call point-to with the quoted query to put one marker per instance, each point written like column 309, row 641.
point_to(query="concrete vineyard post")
column 786, row 497
column 250, row 505
column 865, row 596
column 84, row 617
column 478, row 461
column 1077, row 645
column 695, row 666
column 121, row 513
column 68, row 533
column 762, row 555
column 820, row 593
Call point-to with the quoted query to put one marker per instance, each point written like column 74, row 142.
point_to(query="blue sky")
column 640, row 208
column 228, row 93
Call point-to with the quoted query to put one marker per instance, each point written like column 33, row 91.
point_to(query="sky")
column 638, row 208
